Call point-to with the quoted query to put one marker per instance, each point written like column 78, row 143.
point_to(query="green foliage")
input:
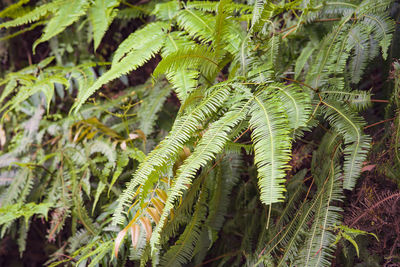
column 235, row 89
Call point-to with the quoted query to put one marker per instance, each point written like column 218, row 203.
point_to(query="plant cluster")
column 237, row 149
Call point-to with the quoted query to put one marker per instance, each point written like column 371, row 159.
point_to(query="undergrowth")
column 240, row 148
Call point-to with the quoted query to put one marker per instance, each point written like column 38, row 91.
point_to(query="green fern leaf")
column 127, row 58
column 357, row 144
column 101, row 14
column 197, row 24
column 140, row 40
column 67, row 13
column 34, row 15
column 271, row 145
column 192, row 58
column 11, row 212
column 166, row 11
column 211, row 144
column 183, row 128
column 357, row 99
column 318, row 250
column 296, row 102
column 184, row 81
column 182, row 251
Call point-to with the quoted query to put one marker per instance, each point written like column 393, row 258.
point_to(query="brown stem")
column 377, row 123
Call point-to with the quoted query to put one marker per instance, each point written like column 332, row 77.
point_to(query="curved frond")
column 347, row 123
column 127, row 59
column 101, row 14
column 197, row 24
column 211, row 144
column 272, row 145
column 183, row 128
column 189, row 58
column 34, row 15
column 296, row 102
column 67, row 13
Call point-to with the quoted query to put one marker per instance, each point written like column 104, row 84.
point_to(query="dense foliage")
column 194, row 132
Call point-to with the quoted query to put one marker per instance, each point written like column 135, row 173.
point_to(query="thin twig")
column 377, row 123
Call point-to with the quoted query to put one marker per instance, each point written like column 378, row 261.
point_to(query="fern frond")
column 357, row 99
column 23, row 236
column 324, row 63
column 357, row 143
column 139, row 40
column 182, row 214
column 193, row 58
column 227, row 176
column 101, row 14
column 294, row 234
column 382, row 27
column 318, row 249
column 67, row 13
column 211, row 144
column 295, row 190
column 17, row 185
column 296, row 102
column 166, row 11
column 182, row 251
column 127, row 59
column 151, row 106
column 181, row 131
column 257, row 12
column 34, row 15
column 359, row 39
column 184, row 81
column 221, row 28
column 271, row 145
column 11, row 212
column 197, row 24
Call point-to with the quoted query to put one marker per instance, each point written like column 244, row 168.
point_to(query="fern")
column 180, row 253
column 233, row 88
column 127, row 59
column 34, row 15
column 211, row 144
column 357, row 143
column 272, row 146
column 67, row 13
column 184, row 126
column 101, row 14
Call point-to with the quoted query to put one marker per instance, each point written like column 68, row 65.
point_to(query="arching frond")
column 182, row 251
column 357, row 143
column 34, row 15
column 193, row 58
column 184, row 127
column 127, row 59
column 67, row 13
column 211, row 144
column 296, row 103
column 272, row 145
column 101, row 14
column 197, row 24
column 318, row 249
